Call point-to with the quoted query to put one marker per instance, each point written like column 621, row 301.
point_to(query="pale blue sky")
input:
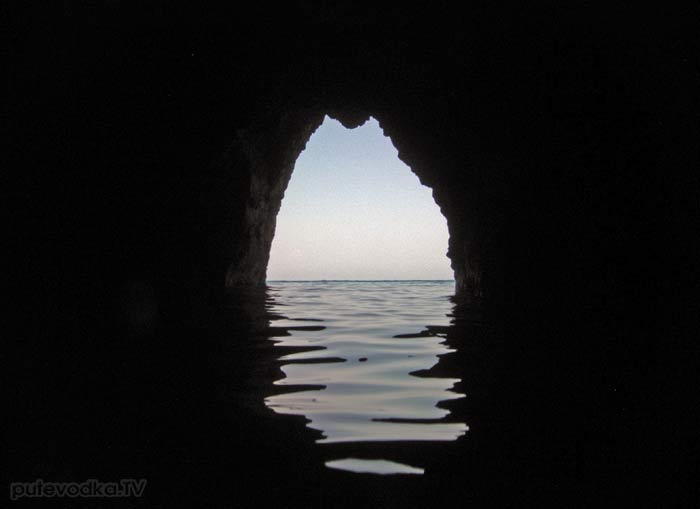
column 353, row 210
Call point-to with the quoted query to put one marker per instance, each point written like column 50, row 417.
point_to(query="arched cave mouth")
column 264, row 155
column 352, row 210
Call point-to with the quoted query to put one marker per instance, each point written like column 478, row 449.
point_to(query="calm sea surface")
column 361, row 362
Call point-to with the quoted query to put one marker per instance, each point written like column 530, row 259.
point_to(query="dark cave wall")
column 144, row 138
column 267, row 153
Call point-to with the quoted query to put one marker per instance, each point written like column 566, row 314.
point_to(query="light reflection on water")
column 361, row 374
column 381, row 467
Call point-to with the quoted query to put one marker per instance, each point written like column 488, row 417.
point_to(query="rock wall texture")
column 267, row 154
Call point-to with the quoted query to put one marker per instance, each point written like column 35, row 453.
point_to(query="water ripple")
column 366, row 375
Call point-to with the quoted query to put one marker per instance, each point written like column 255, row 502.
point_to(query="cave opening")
column 354, row 211
column 359, row 291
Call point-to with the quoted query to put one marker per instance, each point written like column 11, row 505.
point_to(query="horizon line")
column 347, row 280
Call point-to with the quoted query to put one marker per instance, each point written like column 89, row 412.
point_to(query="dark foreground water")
column 325, row 394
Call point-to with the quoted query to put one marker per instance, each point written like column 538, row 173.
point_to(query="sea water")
column 361, row 362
